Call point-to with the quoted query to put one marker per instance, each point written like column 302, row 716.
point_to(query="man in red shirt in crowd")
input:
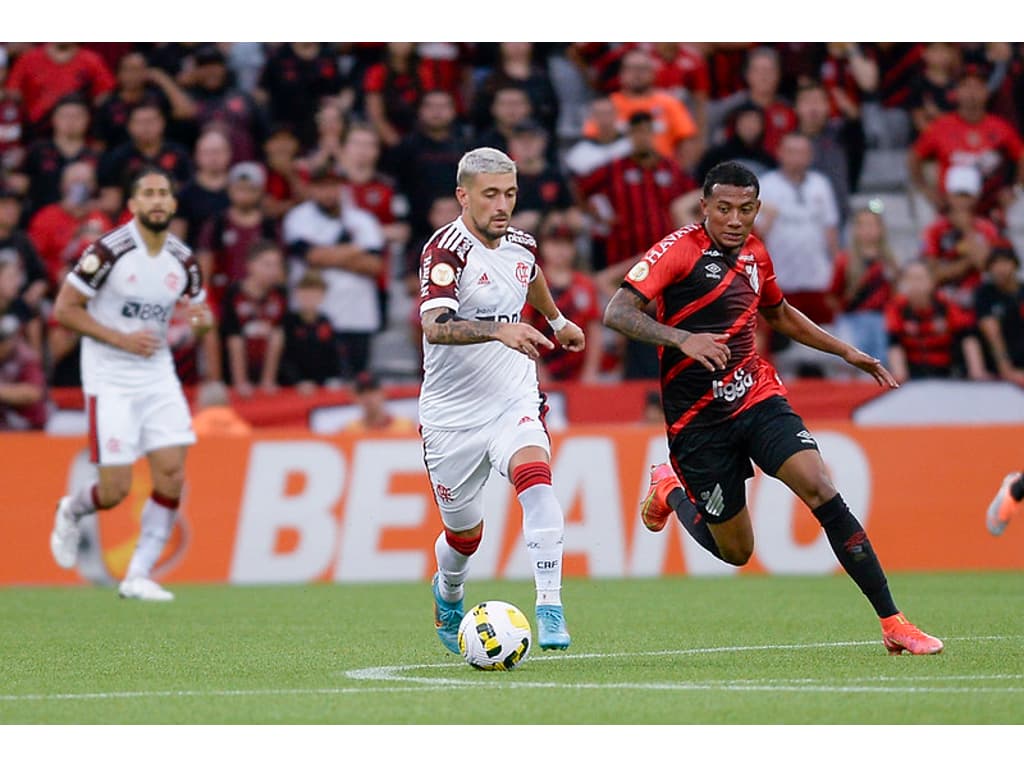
column 50, row 71
column 59, row 229
column 647, row 195
column 930, row 337
column 957, row 244
column 725, row 406
column 23, row 401
column 971, row 136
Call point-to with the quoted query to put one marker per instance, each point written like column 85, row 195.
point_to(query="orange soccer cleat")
column 654, row 509
column 900, row 635
column 1003, row 506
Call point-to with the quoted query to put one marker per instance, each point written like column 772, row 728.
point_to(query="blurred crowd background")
column 310, row 175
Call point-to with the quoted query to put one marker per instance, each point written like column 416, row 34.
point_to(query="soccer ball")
column 495, row 635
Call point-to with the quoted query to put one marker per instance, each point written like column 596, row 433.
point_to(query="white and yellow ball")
column 495, row 636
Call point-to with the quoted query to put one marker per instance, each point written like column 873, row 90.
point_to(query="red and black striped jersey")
column 927, row 335
column 701, row 290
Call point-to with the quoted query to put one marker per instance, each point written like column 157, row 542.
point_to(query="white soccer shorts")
column 126, row 424
column 460, row 461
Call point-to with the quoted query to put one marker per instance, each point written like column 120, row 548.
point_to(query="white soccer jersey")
column 130, row 290
column 465, row 386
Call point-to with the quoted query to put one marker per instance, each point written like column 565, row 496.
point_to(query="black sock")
column 693, row 521
column 1017, row 488
column 855, row 554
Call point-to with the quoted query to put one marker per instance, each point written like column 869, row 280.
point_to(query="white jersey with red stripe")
column 465, row 386
column 130, row 290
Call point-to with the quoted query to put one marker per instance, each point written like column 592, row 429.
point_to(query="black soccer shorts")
column 715, row 462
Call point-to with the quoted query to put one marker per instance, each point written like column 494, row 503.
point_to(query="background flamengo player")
column 724, row 405
column 480, row 404
column 120, row 296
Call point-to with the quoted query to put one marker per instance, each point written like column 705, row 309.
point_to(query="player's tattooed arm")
column 443, row 326
column 625, row 314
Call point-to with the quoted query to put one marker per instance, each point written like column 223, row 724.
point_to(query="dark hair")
column 150, row 170
column 731, row 174
column 260, row 247
column 640, row 117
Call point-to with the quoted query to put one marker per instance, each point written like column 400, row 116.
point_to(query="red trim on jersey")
column 94, row 440
column 684, row 364
column 532, row 473
column 691, row 413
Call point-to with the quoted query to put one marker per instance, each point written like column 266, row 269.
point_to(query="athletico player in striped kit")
column 480, row 404
column 725, row 406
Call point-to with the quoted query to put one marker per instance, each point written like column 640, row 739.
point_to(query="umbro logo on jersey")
column 713, row 271
column 484, row 280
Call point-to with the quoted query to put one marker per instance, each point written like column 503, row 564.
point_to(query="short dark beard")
column 156, row 227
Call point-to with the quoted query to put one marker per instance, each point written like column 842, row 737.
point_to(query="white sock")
column 453, row 567
column 157, row 521
column 81, row 502
column 544, row 529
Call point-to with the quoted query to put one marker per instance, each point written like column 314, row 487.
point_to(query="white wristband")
column 558, row 323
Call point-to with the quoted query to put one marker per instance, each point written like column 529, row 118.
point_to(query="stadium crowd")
column 310, row 175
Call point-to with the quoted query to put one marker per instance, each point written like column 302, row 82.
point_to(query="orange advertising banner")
column 296, row 507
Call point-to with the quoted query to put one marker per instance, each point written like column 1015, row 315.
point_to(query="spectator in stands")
column 762, row 75
column 426, row 161
column 393, row 88
column 744, row 143
column 837, row 141
column 799, row 223
column 331, row 126
column 680, row 69
column 296, row 79
column 576, row 296
column 648, row 195
column 47, row 158
column 12, row 277
column 137, row 82
column 957, row 243
column 849, row 77
column 367, row 188
column 147, row 146
column 220, row 104
column 375, row 416
column 12, row 136
column 345, row 243
column 862, row 284
column 281, row 152
column 999, row 306
column 971, row 136
column 310, row 352
column 207, row 193
column 676, row 135
column 43, row 75
column 929, row 335
column 15, row 244
column 933, row 86
column 59, row 231
column 226, row 238
column 541, row 187
column 24, row 403
column 251, row 321
column 605, row 141
column 518, row 65
column 511, row 107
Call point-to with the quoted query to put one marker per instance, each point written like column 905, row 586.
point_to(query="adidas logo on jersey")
column 484, row 280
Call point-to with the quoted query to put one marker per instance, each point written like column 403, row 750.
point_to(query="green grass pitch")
column 680, row 651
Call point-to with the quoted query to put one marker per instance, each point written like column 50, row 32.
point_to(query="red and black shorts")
column 715, row 462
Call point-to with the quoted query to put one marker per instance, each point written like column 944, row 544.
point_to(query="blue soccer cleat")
column 447, row 617
column 552, row 634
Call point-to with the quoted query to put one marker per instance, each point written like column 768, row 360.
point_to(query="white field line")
column 400, row 674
